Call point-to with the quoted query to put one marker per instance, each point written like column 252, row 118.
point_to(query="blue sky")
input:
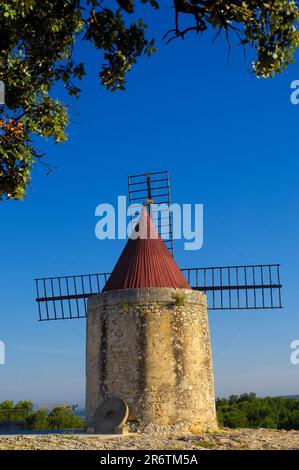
column 229, row 141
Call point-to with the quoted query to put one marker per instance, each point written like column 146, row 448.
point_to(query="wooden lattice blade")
column 227, row 288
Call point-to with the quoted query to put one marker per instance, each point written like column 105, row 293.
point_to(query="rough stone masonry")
column 151, row 348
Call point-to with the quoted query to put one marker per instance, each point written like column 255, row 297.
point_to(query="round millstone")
column 112, row 414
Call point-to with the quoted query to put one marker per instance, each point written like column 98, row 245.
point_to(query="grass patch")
column 205, row 444
column 174, row 447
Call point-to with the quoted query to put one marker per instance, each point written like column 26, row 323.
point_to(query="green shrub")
column 180, row 299
column 126, row 307
column 38, row 420
column 62, row 418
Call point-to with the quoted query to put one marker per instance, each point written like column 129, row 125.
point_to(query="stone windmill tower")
column 148, row 339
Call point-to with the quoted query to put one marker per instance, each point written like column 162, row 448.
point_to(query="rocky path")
column 225, row 439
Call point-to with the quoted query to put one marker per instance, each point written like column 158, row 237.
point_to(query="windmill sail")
column 227, row 288
column 153, row 188
column 238, row 287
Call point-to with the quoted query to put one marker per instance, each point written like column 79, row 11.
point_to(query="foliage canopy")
column 37, row 51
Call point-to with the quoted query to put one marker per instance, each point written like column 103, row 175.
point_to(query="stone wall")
column 151, row 347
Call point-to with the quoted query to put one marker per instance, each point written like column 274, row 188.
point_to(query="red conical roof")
column 146, row 262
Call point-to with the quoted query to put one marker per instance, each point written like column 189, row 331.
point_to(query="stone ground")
column 236, row 439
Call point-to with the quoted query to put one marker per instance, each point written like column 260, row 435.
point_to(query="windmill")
column 148, row 341
column 241, row 287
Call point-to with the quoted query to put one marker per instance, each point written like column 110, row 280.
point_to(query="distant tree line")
column 23, row 411
column 249, row 411
column 243, row 411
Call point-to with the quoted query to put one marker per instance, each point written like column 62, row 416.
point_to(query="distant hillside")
column 290, row 397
